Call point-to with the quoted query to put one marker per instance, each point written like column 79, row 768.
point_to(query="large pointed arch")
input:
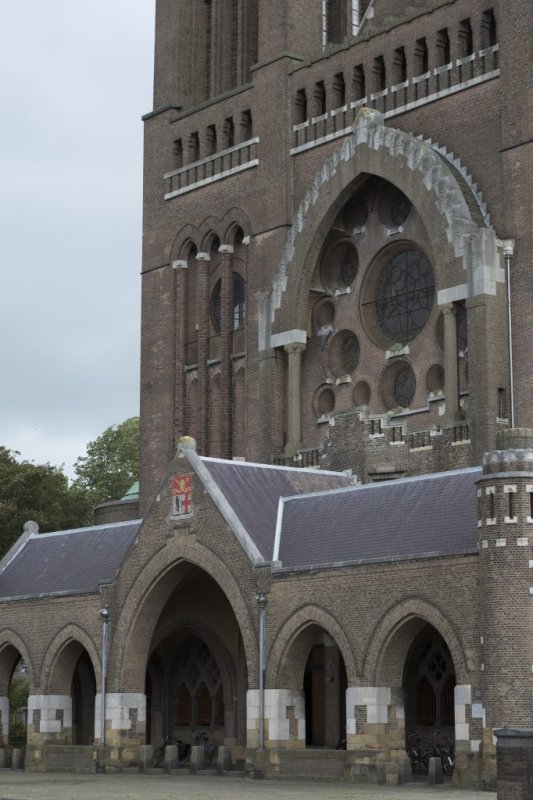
column 155, row 583
column 447, row 204
column 12, row 648
column 301, row 619
column 376, row 669
column 70, row 634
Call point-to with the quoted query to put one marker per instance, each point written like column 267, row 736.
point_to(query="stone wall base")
column 374, row 765
column 60, row 758
column 317, row 765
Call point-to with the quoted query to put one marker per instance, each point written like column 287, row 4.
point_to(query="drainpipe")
column 104, row 615
column 261, row 604
column 508, row 251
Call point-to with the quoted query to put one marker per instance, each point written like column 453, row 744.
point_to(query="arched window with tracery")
column 184, row 705
column 199, row 696
column 204, row 706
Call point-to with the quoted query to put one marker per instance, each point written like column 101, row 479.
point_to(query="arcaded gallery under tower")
column 334, row 536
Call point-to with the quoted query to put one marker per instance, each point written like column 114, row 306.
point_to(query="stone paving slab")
column 66, row 786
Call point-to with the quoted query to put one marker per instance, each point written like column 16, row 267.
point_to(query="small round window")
column 398, row 385
column 404, row 386
column 239, row 303
column 343, row 353
column 339, row 266
column 404, row 295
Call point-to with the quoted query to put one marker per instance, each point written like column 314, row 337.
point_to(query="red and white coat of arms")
column 181, row 496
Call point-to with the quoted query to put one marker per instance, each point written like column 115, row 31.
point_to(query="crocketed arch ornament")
column 423, row 174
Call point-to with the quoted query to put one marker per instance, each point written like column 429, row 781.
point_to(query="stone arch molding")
column 70, row 634
column 157, row 569
column 422, row 173
column 10, row 639
column 301, row 619
column 201, row 235
column 394, row 619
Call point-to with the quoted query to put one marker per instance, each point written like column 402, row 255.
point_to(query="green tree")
column 39, row 492
column 111, row 464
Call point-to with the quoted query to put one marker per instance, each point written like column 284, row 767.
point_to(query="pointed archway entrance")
column 429, row 683
column 188, row 671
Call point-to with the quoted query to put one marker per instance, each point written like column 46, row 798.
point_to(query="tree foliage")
column 41, row 492
column 111, row 464
column 38, row 492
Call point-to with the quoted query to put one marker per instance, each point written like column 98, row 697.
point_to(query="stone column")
column 4, row 720
column 294, row 402
column 125, row 726
column 202, row 316
column 180, row 267
column 375, row 733
column 284, row 718
column 226, row 332
column 451, row 377
column 49, row 719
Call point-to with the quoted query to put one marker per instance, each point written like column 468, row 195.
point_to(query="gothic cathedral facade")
column 336, row 491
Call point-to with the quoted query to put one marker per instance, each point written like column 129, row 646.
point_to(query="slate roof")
column 431, row 515
column 253, row 491
column 67, row 562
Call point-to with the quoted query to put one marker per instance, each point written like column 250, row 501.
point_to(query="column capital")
column 180, row 263
column 226, row 248
column 294, row 347
column 203, row 257
column 449, row 308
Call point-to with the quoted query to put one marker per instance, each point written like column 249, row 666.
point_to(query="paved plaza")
column 39, row 786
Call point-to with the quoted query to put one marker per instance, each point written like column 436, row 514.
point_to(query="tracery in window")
column 339, row 265
column 199, row 696
column 404, row 295
column 343, row 353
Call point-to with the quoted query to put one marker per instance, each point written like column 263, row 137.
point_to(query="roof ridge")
column 300, row 470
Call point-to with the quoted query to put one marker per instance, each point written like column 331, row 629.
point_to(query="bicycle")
column 444, row 751
column 201, row 737
column 184, row 750
column 418, row 756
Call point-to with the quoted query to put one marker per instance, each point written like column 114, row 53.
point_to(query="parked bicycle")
column 418, row 755
column 201, row 737
column 184, row 751
column 443, row 749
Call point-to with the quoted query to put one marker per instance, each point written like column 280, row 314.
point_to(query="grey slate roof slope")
column 408, row 518
column 67, row 562
column 254, row 490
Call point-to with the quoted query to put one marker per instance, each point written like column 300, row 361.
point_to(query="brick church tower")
column 319, row 291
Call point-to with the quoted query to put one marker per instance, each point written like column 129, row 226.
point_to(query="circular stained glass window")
column 325, row 402
column 394, row 207
column 343, row 353
column 339, row 266
column 404, row 386
column 404, row 295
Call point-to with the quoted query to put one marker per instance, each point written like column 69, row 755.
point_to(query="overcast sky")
column 75, row 79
